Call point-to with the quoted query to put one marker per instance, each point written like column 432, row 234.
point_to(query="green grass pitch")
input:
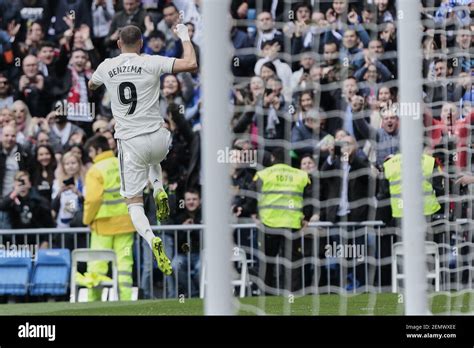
column 363, row 304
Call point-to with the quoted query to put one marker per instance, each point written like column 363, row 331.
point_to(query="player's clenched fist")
column 182, row 32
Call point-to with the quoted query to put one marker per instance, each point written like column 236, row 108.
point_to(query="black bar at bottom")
column 159, row 330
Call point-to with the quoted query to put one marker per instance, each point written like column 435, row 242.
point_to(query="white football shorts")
column 136, row 155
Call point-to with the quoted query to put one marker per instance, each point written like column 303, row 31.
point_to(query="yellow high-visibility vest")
column 113, row 204
column 281, row 203
column 393, row 173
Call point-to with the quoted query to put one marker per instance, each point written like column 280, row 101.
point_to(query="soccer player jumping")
column 133, row 82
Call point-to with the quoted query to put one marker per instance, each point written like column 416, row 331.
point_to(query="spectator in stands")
column 305, row 103
column 179, row 156
column 331, row 66
column 462, row 51
column 344, row 118
column 352, row 203
column 182, row 262
column 68, row 189
column 375, row 54
column 25, row 124
column 27, row 12
column 347, row 197
column 350, row 54
column 385, row 99
column 283, row 71
column 305, row 138
column 61, row 130
column 154, row 43
column 266, row 31
column 385, row 11
column 6, row 118
column 308, row 164
column 25, row 207
column 43, row 168
column 34, row 35
column 42, row 138
column 388, row 36
column 441, row 89
column 453, row 13
column 32, row 88
column 387, row 138
column 270, row 117
column 243, row 64
column 132, row 13
column 242, row 175
column 13, row 158
column 110, row 138
column 371, row 74
column 301, row 77
column 250, row 94
column 6, row 95
column 80, row 9
column 302, row 17
column 102, row 13
column 191, row 14
column 342, row 18
column 171, row 94
column 46, row 58
column 171, row 17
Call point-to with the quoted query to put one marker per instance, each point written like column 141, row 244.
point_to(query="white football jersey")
column 133, row 83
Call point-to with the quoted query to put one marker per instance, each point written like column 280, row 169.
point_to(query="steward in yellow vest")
column 281, row 209
column 106, row 212
column 393, row 173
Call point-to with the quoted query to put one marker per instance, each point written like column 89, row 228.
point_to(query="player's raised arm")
column 188, row 62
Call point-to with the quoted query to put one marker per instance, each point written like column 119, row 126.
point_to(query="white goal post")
column 413, row 222
column 216, row 136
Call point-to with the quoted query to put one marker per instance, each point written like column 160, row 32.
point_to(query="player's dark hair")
column 97, row 142
column 130, row 35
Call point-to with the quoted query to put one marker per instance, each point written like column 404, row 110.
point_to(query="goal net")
column 318, row 83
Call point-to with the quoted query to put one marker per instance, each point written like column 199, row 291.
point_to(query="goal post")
column 216, row 137
column 413, row 222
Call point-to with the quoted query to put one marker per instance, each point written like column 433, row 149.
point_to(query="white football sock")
column 155, row 175
column 140, row 221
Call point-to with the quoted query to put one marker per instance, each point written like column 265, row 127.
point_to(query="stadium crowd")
column 318, row 78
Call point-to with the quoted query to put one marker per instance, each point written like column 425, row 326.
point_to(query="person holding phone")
column 25, row 207
column 68, row 189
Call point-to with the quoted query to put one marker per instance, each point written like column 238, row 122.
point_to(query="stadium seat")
column 239, row 256
column 51, row 272
column 14, row 275
column 86, row 255
column 431, row 249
